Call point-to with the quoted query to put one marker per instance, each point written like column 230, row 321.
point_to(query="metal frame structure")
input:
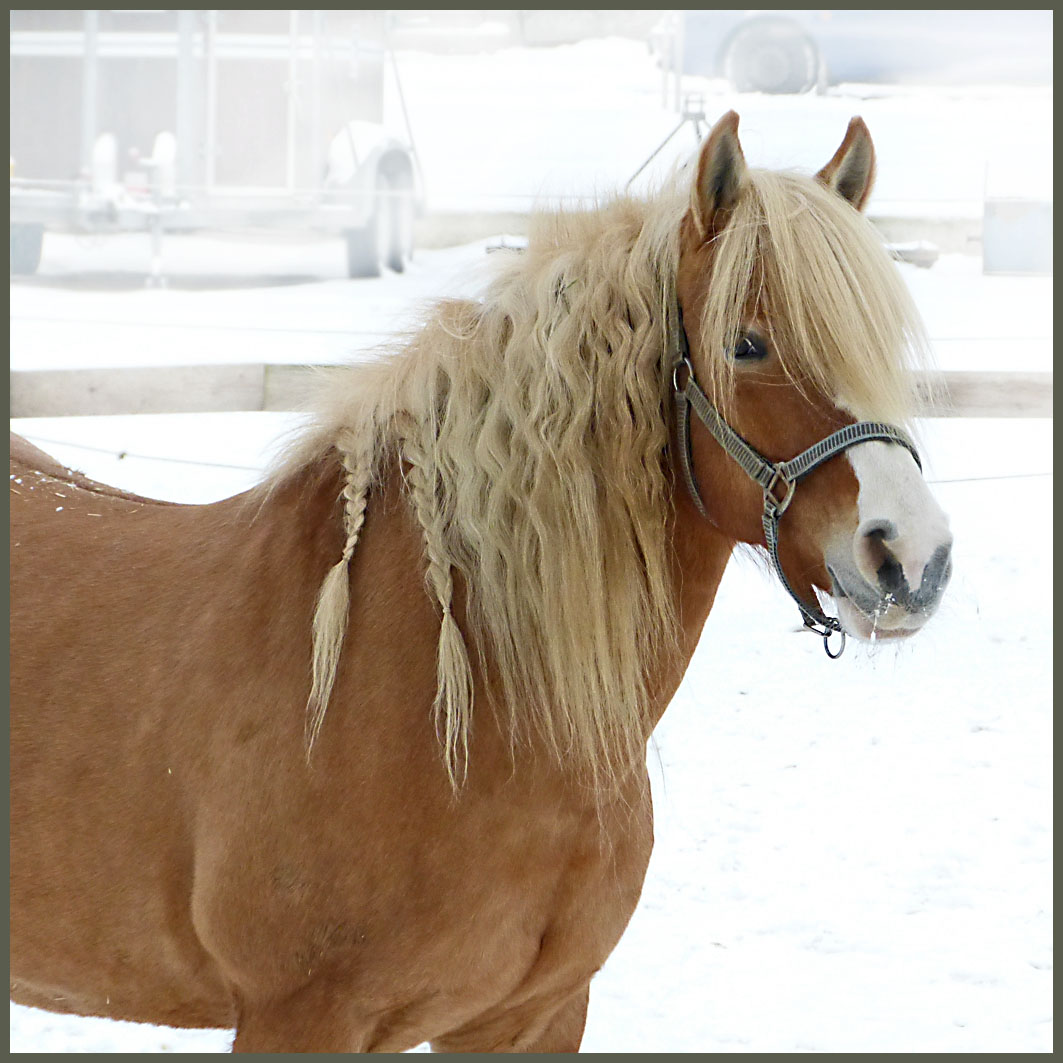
column 242, row 122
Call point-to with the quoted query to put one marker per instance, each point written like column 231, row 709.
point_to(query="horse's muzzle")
column 889, row 607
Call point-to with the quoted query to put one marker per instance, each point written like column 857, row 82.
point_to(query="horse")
column 356, row 760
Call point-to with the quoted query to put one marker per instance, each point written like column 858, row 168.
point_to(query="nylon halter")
column 778, row 480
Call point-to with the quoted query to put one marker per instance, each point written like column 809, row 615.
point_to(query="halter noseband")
column 778, row 480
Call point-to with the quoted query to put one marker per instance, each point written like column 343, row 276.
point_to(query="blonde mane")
column 532, row 430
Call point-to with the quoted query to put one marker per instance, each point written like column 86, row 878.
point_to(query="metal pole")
column 187, row 130
column 155, row 279
column 662, row 43
column 293, row 73
column 680, row 43
column 89, row 89
column 405, row 112
column 317, row 148
column 653, row 154
column 211, row 118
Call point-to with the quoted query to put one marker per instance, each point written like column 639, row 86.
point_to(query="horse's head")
column 798, row 325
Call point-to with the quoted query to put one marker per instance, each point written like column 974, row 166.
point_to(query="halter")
column 778, row 480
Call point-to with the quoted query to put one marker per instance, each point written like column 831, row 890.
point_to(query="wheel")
column 771, row 55
column 367, row 247
column 387, row 241
column 26, row 244
column 400, row 248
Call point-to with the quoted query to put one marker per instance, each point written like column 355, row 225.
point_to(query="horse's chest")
column 448, row 917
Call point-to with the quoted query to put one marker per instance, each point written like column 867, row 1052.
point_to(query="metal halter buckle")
column 772, row 503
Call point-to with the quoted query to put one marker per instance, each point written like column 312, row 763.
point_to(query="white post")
column 293, row 73
column 89, row 83
column 210, row 60
column 317, row 142
column 680, row 41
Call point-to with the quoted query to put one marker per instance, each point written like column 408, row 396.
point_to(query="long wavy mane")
column 532, row 433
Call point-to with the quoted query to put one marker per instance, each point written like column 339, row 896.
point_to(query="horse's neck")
column 700, row 555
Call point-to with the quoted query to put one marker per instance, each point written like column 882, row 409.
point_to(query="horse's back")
column 23, row 452
column 29, row 459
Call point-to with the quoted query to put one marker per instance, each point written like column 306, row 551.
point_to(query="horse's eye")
column 748, row 348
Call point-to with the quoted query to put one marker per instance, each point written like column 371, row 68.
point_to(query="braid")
column 330, row 615
column 355, row 492
column 453, row 701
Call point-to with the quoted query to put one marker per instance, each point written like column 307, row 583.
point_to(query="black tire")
column 771, row 55
column 387, row 240
column 26, row 244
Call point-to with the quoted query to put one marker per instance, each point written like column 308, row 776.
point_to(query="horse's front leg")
column 530, row 1027
column 315, row 1018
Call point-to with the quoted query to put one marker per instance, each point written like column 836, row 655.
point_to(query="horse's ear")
column 851, row 172
column 720, row 178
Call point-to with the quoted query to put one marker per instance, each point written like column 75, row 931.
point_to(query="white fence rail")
column 230, row 388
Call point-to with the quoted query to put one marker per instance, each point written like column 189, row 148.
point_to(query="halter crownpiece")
column 778, row 480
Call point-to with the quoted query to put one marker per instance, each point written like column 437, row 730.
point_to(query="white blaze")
column 893, row 491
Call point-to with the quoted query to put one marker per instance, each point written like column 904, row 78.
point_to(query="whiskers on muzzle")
column 883, row 601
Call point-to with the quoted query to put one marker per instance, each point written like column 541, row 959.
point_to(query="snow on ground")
column 851, row 856
column 60, row 322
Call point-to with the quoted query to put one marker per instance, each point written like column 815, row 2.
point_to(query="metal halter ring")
column 825, row 635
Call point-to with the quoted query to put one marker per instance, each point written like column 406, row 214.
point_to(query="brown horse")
column 489, row 564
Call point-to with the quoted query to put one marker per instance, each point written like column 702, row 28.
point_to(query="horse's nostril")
column 875, row 559
column 882, row 530
column 891, row 575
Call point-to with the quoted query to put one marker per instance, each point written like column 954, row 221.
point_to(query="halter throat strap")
column 778, row 480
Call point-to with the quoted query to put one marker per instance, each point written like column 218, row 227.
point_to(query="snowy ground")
column 851, row 856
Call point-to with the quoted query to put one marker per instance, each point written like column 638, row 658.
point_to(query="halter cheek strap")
column 778, row 480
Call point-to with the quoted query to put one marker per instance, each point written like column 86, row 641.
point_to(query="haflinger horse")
column 357, row 759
